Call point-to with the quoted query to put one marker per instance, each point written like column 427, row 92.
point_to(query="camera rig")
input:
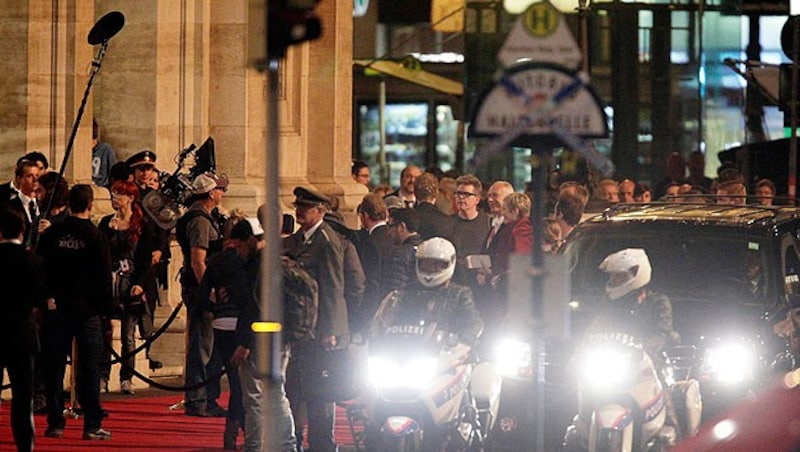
column 164, row 205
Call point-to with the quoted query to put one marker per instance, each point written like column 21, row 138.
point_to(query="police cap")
column 309, row 197
column 146, row 157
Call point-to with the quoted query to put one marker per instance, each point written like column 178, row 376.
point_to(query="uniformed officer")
column 319, row 250
column 145, row 173
column 146, row 178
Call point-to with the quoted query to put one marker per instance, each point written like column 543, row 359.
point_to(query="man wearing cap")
column 199, row 238
column 318, row 249
column 224, row 292
column 145, row 175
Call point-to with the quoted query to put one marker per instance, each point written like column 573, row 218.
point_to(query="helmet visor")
column 617, row 279
column 426, row 265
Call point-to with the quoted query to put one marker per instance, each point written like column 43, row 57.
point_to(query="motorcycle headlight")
column 729, row 363
column 414, row 373
column 513, row 358
column 604, row 368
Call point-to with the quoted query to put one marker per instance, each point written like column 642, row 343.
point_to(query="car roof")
column 747, row 216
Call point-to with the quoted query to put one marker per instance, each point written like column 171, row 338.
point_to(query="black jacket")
column 22, row 280
column 451, row 305
column 77, row 268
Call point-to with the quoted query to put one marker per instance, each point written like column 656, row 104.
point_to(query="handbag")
column 331, row 374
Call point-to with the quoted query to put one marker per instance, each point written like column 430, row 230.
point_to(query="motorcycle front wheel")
column 407, row 443
column 611, row 440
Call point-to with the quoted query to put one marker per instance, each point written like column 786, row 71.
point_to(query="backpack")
column 187, row 275
column 300, row 301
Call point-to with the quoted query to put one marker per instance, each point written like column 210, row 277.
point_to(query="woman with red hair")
column 131, row 240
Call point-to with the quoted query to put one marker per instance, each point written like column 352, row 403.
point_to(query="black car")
column 730, row 271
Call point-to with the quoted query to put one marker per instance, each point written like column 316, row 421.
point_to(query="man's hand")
column 155, row 258
column 328, row 342
column 240, row 355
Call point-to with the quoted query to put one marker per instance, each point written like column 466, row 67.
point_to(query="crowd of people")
column 91, row 273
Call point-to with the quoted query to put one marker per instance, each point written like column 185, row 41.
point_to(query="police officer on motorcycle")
column 452, row 305
column 648, row 314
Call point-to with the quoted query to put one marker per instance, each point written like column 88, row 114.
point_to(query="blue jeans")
column 281, row 424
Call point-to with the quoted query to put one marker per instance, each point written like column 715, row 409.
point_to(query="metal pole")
column 384, row 169
column 583, row 12
column 539, row 172
column 268, row 345
column 792, row 189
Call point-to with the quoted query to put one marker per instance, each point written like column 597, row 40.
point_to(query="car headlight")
column 605, row 367
column 513, row 358
column 729, row 363
column 414, row 373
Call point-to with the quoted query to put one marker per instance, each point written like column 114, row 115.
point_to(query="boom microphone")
column 105, row 28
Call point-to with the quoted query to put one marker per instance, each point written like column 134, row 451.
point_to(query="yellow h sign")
column 541, row 19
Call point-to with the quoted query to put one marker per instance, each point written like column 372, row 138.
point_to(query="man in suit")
column 373, row 250
column 432, row 221
column 23, row 280
column 318, row 249
column 20, row 194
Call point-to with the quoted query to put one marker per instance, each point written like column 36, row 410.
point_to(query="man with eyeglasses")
column 199, row 236
column 471, row 226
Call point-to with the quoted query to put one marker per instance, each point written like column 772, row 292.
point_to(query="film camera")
column 175, row 190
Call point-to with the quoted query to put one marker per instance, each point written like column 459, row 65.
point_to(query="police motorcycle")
column 628, row 399
column 623, row 399
column 427, row 390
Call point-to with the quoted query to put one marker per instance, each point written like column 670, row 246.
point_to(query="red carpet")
column 141, row 424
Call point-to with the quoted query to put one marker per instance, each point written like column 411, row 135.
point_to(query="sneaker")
column 126, row 387
column 98, row 433
column 54, row 432
column 155, row 364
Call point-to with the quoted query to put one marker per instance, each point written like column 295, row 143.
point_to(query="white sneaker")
column 126, row 387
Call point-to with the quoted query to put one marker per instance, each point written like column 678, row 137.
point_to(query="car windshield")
column 693, row 264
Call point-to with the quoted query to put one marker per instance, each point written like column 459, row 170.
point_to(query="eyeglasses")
column 465, row 194
column 116, row 194
column 223, row 189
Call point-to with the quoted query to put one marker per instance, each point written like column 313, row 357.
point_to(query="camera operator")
column 200, row 238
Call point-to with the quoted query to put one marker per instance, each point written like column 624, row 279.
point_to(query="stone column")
column 316, row 133
column 47, row 71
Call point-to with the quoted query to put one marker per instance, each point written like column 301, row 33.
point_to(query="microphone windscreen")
column 105, row 28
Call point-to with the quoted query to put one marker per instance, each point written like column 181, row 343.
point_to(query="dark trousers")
column 20, row 371
column 320, row 414
column 199, row 364
column 57, row 334
column 224, row 345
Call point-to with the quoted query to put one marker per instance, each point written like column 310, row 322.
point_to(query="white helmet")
column 628, row 270
column 436, row 262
